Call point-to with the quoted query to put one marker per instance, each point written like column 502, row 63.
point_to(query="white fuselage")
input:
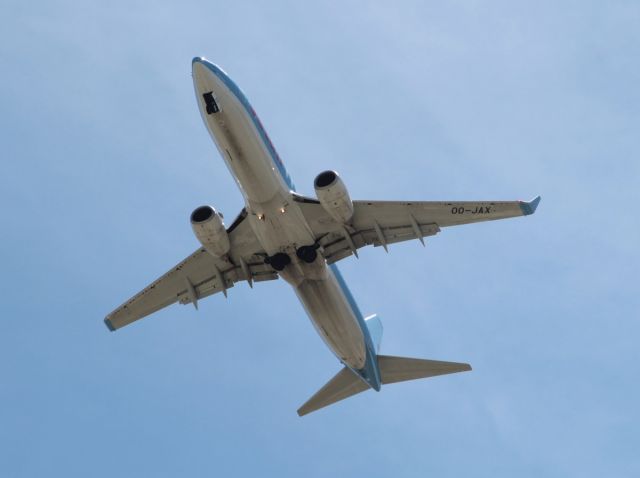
column 273, row 214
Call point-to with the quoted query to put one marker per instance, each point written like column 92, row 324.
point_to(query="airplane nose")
column 202, row 77
column 196, row 64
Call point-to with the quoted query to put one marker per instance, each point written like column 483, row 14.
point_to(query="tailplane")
column 392, row 369
column 343, row 385
column 401, row 369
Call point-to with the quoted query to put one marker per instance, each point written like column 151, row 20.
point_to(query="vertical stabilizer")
column 375, row 330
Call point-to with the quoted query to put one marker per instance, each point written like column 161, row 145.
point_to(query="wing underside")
column 198, row 276
column 377, row 223
column 380, row 223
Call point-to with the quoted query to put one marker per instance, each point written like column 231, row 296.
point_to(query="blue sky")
column 104, row 157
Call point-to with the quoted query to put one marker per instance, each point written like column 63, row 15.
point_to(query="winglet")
column 109, row 325
column 530, row 207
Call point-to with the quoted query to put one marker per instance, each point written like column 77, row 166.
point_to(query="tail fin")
column 392, row 369
column 375, row 330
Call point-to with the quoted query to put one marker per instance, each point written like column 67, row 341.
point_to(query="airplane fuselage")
column 277, row 220
column 280, row 233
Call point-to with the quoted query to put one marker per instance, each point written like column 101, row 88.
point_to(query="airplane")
column 280, row 233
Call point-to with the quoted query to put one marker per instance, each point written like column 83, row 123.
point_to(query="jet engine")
column 209, row 229
column 333, row 196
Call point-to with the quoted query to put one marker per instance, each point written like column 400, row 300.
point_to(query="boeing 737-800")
column 280, row 233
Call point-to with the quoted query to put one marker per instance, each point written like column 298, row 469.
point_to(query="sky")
column 103, row 157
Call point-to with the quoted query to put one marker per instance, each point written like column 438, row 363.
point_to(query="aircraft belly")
column 274, row 217
column 333, row 318
column 280, row 231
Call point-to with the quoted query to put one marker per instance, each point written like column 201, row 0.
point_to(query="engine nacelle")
column 209, row 229
column 333, row 195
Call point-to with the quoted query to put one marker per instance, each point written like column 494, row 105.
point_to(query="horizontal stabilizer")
column 343, row 385
column 392, row 369
column 401, row 369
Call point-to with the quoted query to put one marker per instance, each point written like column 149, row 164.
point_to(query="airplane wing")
column 380, row 223
column 198, row 276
